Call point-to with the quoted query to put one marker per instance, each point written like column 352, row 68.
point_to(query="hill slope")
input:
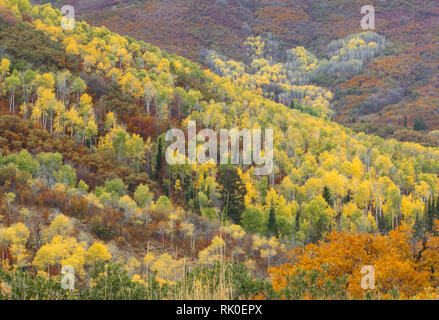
column 410, row 64
column 84, row 181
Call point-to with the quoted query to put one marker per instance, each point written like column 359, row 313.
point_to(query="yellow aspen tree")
column 96, row 253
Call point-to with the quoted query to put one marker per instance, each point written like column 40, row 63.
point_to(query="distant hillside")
column 391, row 94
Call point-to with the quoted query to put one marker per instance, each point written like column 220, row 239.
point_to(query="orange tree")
column 405, row 267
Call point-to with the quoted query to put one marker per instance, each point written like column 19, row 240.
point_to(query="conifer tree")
column 272, row 223
column 158, row 161
column 420, row 125
column 429, row 215
column 327, row 196
column 233, row 193
column 382, row 225
column 436, row 216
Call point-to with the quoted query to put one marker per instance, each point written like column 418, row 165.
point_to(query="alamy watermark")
column 68, row 21
column 368, row 21
column 368, row 281
column 229, row 153
column 68, row 279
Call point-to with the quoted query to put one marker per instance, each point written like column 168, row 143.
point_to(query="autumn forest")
column 90, row 208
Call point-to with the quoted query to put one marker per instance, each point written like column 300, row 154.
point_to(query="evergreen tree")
column 158, row 161
column 436, row 216
column 166, row 187
column 197, row 207
column 272, row 223
column 232, row 191
column 298, row 220
column 429, row 215
column 420, row 124
column 348, row 197
column 327, row 196
column 405, row 122
column 382, row 225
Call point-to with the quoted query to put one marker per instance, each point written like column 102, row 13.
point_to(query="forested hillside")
column 84, row 181
column 395, row 95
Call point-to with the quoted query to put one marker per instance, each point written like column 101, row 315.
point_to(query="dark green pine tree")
column 158, row 159
column 405, row 122
column 434, row 214
column 348, row 197
column 298, row 221
column 429, row 215
column 232, row 191
column 382, row 225
column 166, row 187
column 197, row 207
column 327, row 196
column 437, row 208
column 272, row 223
column 292, row 104
column 420, row 125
